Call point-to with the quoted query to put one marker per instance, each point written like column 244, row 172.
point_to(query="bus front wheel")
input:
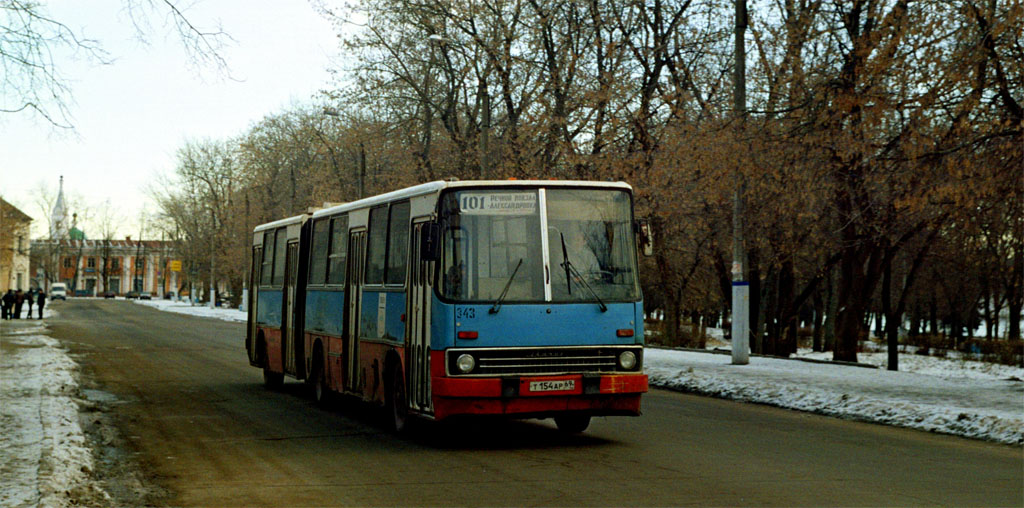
column 572, row 423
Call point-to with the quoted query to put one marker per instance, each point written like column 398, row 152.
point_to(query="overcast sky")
column 131, row 116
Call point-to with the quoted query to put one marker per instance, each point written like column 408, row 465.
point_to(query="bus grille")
column 542, row 361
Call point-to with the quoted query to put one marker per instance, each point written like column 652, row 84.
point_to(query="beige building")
column 14, row 248
column 93, row 267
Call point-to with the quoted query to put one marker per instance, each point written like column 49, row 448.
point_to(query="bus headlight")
column 465, row 363
column 627, row 360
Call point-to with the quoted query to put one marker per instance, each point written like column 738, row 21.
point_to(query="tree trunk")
column 832, row 316
column 788, row 316
column 859, row 273
column 933, row 316
column 790, row 345
column 1014, row 298
column 755, row 323
column 915, row 321
column 956, row 325
column 819, row 315
column 987, row 304
column 770, row 339
column 891, row 327
column 670, row 329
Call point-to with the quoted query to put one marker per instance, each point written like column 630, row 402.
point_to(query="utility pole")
column 361, row 163
column 137, row 283
column 213, row 259
column 213, row 282
column 485, row 130
column 362, row 170
column 161, row 268
column 740, row 287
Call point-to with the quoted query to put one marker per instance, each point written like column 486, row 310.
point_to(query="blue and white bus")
column 516, row 298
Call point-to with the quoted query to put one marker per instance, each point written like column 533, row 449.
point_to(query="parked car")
column 109, row 294
column 131, row 295
column 145, row 295
column 58, row 291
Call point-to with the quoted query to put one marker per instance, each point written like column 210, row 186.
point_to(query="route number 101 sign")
column 498, row 203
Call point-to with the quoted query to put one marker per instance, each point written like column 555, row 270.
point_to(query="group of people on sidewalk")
column 13, row 302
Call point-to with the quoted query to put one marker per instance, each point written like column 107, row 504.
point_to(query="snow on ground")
column 956, row 403
column 195, row 310
column 954, row 366
column 45, row 460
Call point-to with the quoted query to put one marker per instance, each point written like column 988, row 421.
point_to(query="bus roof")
column 278, row 223
column 436, row 186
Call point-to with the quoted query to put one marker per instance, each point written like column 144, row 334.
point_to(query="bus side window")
column 280, row 246
column 376, row 245
column 398, row 244
column 339, row 250
column 318, row 253
column 268, row 258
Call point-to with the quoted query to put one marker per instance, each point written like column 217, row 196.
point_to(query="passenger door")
column 288, row 318
column 254, row 284
column 354, row 303
column 418, row 329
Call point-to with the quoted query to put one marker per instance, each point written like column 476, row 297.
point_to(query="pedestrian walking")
column 30, row 298
column 40, row 302
column 8, row 304
column 19, row 300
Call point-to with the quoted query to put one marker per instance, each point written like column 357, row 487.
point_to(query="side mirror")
column 430, row 242
column 643, row 226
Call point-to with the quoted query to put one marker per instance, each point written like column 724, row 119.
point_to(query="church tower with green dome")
column 75, row 233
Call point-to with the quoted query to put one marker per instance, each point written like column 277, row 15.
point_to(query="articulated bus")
column 515, row 298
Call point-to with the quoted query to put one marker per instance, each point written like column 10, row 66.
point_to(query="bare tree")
column 33, row 43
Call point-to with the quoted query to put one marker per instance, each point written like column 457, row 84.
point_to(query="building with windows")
column 93, row 267
column 14, row 248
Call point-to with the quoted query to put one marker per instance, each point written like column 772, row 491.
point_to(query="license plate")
column 553, row 386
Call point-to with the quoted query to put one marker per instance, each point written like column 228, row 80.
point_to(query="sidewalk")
column 45, row 459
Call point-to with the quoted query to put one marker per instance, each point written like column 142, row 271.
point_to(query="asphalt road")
column 201, row 428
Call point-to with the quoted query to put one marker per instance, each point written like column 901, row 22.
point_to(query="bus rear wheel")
column 573, row 424
column 318, row 384
column 271, row 379
column 398, row 407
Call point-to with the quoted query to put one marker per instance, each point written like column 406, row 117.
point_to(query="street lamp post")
column 361, row 171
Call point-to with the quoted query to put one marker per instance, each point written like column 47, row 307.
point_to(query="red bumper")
column 595, row 395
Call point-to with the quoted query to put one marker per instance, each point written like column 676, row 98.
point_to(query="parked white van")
column 58, row 290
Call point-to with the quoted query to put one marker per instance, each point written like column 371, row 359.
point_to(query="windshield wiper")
column 566, row 264
column 497, row 303
column 571, row 269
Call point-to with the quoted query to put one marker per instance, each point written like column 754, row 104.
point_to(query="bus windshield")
column 493, row 240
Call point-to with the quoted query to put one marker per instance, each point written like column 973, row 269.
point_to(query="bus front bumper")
column 540, row 396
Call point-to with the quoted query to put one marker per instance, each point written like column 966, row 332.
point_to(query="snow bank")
column 196, row 310
column 989, row 408
column 45, row 460
column 954, row 366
